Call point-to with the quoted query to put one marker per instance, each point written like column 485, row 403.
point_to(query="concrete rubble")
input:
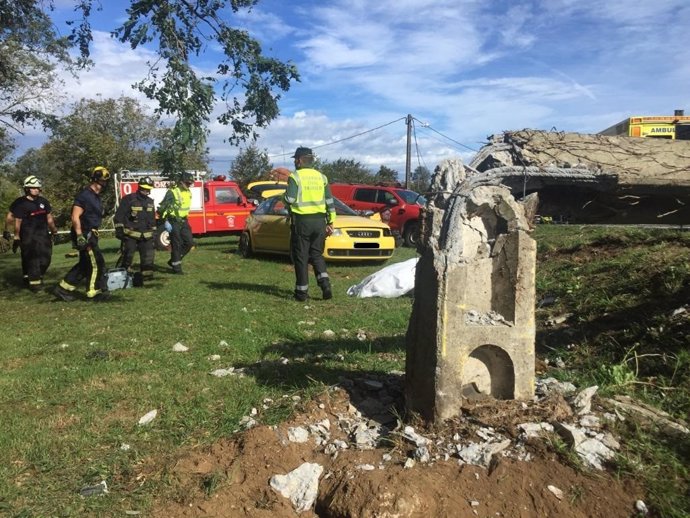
column 300, row 486
column 592, row 178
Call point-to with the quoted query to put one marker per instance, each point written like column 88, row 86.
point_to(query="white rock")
column 409, row 463
column 365, row 467
column 148, row 417
column 590, row 421
column 298, row 434
column 556, row 492
column 214, row 357
column 593, row 452
column 223, row 343
column 411, row 435
column 534, row 429
column 328, row 333
column 583, row 401
column 179, row 347
column 300, row 485
column 361, row 335
column 125, row 447
column 221, row 373
column 641, row 507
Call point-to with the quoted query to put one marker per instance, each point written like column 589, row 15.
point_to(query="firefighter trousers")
column 146, row 249
column 37, row 252
column 181, row 242
column 91, row 266
column 307, row 241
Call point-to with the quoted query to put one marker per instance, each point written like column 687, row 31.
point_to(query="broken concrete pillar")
column 471, row 333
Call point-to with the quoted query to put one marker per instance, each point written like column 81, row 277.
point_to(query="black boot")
column 326, row 290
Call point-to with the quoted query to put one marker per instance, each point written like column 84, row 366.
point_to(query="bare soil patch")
column 231, row 477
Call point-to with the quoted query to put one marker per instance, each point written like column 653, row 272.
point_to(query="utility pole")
column 408, row 158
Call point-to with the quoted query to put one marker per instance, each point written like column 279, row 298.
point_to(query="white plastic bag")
column 389, row 282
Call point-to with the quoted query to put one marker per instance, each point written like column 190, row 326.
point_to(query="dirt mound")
column 231, row 478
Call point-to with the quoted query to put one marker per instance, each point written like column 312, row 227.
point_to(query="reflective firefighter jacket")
column 136, row 215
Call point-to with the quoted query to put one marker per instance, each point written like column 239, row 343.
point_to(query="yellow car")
column 354, row 238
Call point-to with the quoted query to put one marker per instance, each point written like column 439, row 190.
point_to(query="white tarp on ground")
column 389, row 282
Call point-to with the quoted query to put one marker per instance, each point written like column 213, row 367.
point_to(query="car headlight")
column 337, row 232
column 387, row 232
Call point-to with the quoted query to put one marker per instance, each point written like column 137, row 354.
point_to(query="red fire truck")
column 218, row 205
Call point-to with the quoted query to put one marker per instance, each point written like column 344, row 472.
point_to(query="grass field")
column 76, row 377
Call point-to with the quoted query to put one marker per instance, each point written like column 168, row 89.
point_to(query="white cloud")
column 469, row 68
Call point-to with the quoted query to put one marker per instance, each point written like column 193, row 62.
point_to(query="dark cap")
column 302, row 151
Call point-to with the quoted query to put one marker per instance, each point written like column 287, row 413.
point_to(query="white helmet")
column 32, row 182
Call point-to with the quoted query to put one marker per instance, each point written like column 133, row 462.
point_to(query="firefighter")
column 174, row 210
column 312, row 210
column 33, row 225
column 135, row 223
column 87, row 213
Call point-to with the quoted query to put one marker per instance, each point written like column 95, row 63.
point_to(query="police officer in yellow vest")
column 174, row 210
column 309, row 199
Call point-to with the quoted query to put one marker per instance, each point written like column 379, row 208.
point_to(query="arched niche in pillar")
column 490, row 371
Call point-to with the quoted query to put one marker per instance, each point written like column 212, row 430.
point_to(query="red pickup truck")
column 404, row 206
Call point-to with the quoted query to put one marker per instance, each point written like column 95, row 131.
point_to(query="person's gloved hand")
column 167, row 225
column 7, row 235
column 120, row 233
column 15, row 245
column 82, row 243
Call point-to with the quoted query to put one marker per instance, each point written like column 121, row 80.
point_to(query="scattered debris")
column 179, row 347
column 641, row 508
column 99, row 489
column 300, row 485
column 648, row 415
column 556, row 492
column 148, row 417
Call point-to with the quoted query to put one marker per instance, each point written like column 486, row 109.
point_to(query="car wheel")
column 411, row 235
column 245, row 246
column 161, row 239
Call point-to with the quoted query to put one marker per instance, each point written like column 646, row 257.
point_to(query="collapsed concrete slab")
column 471, row 333
column 593, row 178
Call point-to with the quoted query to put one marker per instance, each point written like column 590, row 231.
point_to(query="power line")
column 425, row 125
column 347, row 138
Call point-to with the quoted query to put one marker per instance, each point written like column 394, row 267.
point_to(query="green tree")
column 250, row 165
column 30, row 51
column 346, row 170
column 115, row 133
column 248, row 82
column 246, row 78
column 386, row 175
column 420, row 180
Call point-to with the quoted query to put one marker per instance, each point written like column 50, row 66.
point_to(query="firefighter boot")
column 63, row 294
column 326, row 289
column 301, row 295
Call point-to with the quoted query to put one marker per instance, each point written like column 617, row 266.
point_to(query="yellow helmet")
column 100, row 173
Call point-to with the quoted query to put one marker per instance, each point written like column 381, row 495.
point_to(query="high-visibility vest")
column 311, row 197
column 181, row 205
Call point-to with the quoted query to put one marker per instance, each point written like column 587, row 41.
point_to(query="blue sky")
column 464, row 69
